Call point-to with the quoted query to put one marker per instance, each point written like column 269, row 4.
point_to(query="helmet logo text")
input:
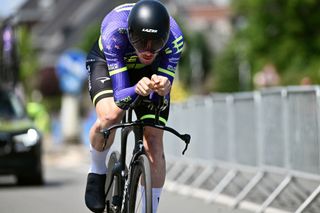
column 149, row 30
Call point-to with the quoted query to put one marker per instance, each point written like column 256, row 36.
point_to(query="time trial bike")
column 128, row 186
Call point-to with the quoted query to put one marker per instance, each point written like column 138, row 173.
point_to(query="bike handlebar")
column 157, row 106
column 185, row 137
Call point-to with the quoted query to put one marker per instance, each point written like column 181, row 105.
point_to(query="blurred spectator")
column 267, row 77
column 9, row 61
column 38, row 113
column 306, row 81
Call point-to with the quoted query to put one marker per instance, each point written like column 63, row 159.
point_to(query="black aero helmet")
column 148, row 25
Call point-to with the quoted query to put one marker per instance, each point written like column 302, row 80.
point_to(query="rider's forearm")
column 124, row 97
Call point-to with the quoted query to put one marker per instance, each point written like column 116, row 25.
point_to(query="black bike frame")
column 137, row 126
column 125, row 131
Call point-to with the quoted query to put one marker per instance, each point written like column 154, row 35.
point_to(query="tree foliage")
column 284, row 33
column 195, row 43
column 92, row 33
column 28, row 59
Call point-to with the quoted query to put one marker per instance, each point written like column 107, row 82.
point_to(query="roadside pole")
column 71, row 72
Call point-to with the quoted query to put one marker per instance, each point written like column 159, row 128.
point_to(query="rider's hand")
column 144, row 87
column 161, row 84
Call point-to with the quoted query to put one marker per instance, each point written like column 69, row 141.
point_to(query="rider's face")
column 146, row 57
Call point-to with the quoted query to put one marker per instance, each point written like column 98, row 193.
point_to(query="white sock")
column 98, row 161
column 156, row 192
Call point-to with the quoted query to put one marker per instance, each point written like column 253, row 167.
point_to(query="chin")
column 147, row 62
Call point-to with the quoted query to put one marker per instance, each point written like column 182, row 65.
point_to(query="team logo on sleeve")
column 112, row 66
column 174, row 60
column 122, row 30
column 177, row 46
column 171, row 68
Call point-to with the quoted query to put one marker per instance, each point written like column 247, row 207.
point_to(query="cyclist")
column 137, row 54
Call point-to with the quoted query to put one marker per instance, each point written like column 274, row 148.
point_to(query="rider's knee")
column 96, row 139
column 108, row 113
column 109, row 119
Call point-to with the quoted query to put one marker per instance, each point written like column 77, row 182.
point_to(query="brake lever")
column 186, row 138
column 105, row 133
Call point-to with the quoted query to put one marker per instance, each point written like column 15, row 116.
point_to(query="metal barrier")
column 256, row 150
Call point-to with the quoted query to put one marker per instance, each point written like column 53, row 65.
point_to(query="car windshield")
column 10, row 106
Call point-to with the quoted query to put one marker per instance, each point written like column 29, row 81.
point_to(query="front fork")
column 137, row 151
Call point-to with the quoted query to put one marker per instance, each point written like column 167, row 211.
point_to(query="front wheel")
column 140, row 191
column 113, row 185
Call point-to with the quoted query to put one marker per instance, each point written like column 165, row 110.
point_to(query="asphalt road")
column 175, row 203
column 64, row 192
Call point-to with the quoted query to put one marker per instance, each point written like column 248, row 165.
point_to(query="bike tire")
column 115, row 192
column 140, row 173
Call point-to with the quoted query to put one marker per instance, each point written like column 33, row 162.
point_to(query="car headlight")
column 29, row 138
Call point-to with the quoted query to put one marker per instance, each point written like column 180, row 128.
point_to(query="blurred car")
column 20, row 141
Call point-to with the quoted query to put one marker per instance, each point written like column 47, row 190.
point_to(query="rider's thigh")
column 108, row 112
column 153, row 140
